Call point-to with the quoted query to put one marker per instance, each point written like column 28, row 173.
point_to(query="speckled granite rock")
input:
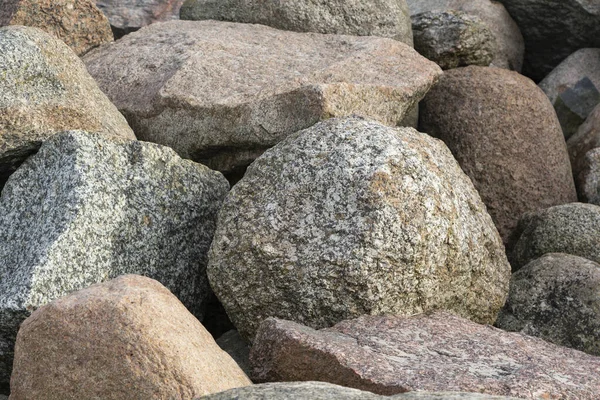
column 584, row 160
column 130, row 15
column 441, row 352
column 588, row 179
column 78, row 23
column 328, row 391
column 453, row 38
column 45, row 89
column 509, row 42
column 557, row 298
column 350, row 217
column 554, row 29
column 569, row 228
column 221, row 93
column 386, row 18
column 84, row 210
column 128, row 338
column 504, row 133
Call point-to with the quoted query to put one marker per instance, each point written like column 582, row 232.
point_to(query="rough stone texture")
column 84, row 210
column 505, row 135
column 509, row 42
column 557, row 298
column 453, row 38
column 554, row 29
column 588, row 179
column 130, row 15
column 569, row 228
column 442, row 352
column 232, row 343
column 386, row 18
column 586, row 139
column 45, row 89
column 221, row 93
column 327, row 391
column 78, row 23
column 128, row 338
column 351, row 217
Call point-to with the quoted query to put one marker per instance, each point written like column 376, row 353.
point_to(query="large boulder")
column 128, row 338
column 84, row 210
column 45, row 89
column 583, row 159
column 386, row 18
column 351, row 217
column 574, row 88
column 569, row 228
column 130, row 15
column 440, row 352
column 508, row 52
column 505, row 135
column 78, row 23
column 221, row 93
column 556, row 298
column 554, row 29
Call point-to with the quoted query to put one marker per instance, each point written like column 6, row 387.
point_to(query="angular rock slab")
column 386, row 18
column 509, row 49
column 128, row 338
column 46, row 89
column 557, row 298
column 584, row 157
column 505, row 135
column 442, row 352
column 221, row 93
column 84, row 210
column 131, row 15
column 350, row 217
column 78, row 23
column 554, row 29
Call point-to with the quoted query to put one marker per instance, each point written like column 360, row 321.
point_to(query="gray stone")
column 574, row 105
column 557, row 298
column 232, row 343
column 554, row 29
column 221, row 93
column 509, row 49
column 439, row 352
column 588, row 179
column 46, row 89
column 453, row 38
column 569, row 228
column 583, row 160
column 84, row 210
column 130, row 15
column 350, row 217
column 386, row 18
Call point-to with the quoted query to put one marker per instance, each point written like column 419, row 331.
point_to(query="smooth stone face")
column 134, row 14
column 439, row 352
column 128, row 338
column 557, row 298
column 575, row 104
column 386, row 18
column 453, row 38
column 583, row 158
column 569, row 228
column 46, row 89
column 232, row 343
column 84, row 210
column 509, row 49
column 78, row 23
column 351, row 217
column 504, row 133
column 221, row 93
column 554, row 29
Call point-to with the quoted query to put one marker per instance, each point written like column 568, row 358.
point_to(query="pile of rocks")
column 300, row 200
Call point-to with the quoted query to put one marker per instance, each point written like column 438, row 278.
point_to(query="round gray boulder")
column 348, row 218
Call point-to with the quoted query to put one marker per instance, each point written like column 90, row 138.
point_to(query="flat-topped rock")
column 221, row 93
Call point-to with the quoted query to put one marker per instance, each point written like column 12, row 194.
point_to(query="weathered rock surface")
column 505, row 135
column 583, row 160
column 327, row 391
column 557, row 298
column 554, row 29
column 588, row 179
column 45, row 89
column 574, row 88
column 221, row 93
column 128, row 338
column 232, row 343
column 386, row 18
column 569, row 228
column 78, row 23
column 350, row 217
column 453, row 38
column 130, row 15
column 84, row 210
column 509, row 42
column 442, row 352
